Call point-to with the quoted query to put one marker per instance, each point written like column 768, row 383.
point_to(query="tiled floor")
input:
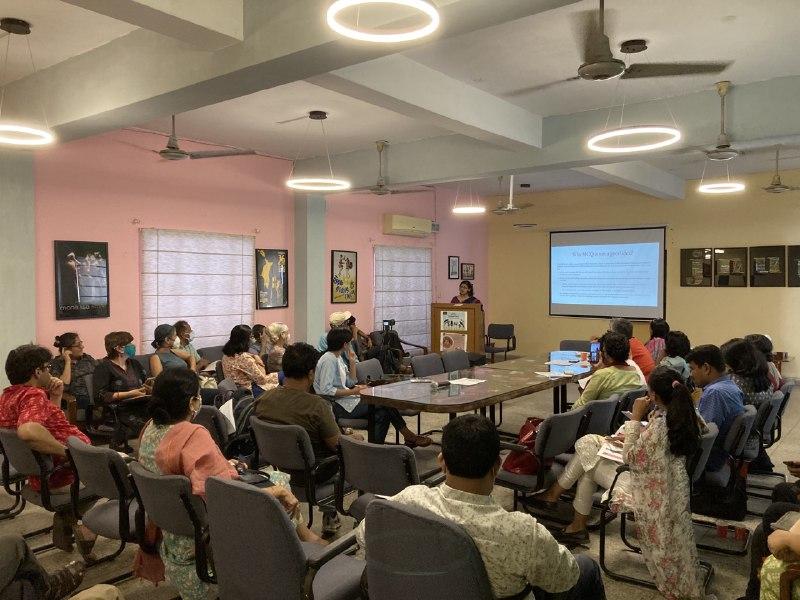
column 728, row 583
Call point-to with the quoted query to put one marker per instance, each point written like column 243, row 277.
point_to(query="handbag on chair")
column 525, row 462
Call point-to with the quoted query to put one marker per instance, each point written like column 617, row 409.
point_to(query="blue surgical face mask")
column 129, row 350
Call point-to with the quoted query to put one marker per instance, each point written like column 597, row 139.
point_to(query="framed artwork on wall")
column 272, row 278
column 81, row 270
column 468, row 271
column 696, row 267
column 793, row 266
column 768, row 266
column 730, row 267
column 452, row 267
column 344, row 277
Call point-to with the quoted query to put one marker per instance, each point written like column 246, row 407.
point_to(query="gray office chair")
column 216, row 423
column 455, row 360
column 575, row 345
column 273, row 563
column 372, row 469
column 210, row 353
column 288, row 448
column 371, row 371
column 786, row 388
column 103, row 473
column 602, row 415
column 170, row 504
column 144, row 360
column 427, row 365
column 12, row 484
column 504, row 332
column 626, row 401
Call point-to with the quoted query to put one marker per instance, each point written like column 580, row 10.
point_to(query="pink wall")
column 92, row 189
column 355, row 222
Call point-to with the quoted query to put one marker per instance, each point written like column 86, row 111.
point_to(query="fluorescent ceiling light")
column 724, row 187
column 318, row 184
column 21, row 135
column 380, row 36
column 671, row 134
column 469, row 210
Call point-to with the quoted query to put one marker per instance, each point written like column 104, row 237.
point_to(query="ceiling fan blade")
column 537, row 88
column 220, row 153
column 137, row 146
column 291, row 120
column 638, row 71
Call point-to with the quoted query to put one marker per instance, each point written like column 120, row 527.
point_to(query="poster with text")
column 272, row 279
column 453, row 320
column 81, row 280
column 344, row 277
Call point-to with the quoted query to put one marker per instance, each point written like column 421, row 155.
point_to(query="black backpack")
column 390, row 353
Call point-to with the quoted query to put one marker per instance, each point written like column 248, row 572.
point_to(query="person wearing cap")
column 164, row 358
column 336, row 320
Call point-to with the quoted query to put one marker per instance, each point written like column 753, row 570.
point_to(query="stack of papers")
column 466, row 381
column 552, row 374
column 227, row 410
column 611, row 452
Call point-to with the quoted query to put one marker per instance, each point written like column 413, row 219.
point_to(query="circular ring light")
column 671, row 134
column 318, row 184
column 20, row 135
column 469, row 210
column 379, row 36
column 725, row 187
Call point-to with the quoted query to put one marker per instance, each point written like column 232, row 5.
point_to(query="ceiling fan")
column 599, row 63
column 510, row 207
column 174, row 152
column 777, row 186
column 381, row 187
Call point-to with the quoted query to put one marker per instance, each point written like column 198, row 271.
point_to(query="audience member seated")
column 259, row 344
column 763, row 344
column 278, row 336
column 247, row 370
column 659, row 328
column 721, row 401
column 361, row 341
column 120, row 380
column 517, row 551
column 184, row 347
column 331, row 379
column 748, row 369
column 640, row 355
column 656, row 488
column 615, row 376
column 21, row 574
column 466, row 294
column 165, row 356
column 293, row 404
column 784, row 547
column 676, row 349
column 30, row 405
column 172, row 445
column 71, row 366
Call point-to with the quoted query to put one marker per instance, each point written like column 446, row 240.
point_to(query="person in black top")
column 71, row 366
column 466, row 294
column 120, row 383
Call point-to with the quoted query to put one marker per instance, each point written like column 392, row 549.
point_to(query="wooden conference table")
column 502, row 381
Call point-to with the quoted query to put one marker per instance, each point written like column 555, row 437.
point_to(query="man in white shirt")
column 517, row 551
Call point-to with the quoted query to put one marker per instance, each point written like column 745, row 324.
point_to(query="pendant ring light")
column 671, row 136
column 318, row 184
column 17, row 134
column 380, row 36
column 724, row 187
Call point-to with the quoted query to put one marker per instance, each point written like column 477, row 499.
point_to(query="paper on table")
column 466, row 381
column 552, row 374
column 559, row 362
column 227, row 410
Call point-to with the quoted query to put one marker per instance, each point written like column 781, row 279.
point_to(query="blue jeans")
column 589, row 585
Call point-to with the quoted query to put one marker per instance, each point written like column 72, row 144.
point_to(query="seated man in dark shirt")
column 292, row 404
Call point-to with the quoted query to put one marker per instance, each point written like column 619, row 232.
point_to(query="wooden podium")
column 457, row 326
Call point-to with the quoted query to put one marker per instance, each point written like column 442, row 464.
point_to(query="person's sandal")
column 573, row 538
column 66, row 580
column 62, row 533
column 85, row 545
column 418, row 441
column 537, row 500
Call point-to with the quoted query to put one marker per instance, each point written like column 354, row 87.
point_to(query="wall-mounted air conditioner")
column 405, row 225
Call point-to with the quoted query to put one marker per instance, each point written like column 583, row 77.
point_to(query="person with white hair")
column 278, row 337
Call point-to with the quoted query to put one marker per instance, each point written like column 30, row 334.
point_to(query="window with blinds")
column 403, row 291
column 206, row 279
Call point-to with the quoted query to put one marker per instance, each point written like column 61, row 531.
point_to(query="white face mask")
column 176, row 343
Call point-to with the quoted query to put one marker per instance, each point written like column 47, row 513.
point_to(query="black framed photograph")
column 272, row 278
column 81, row 270
column 344, row 277
column 696, row 267
column 768, row 266
column 453, row 267
column 793, row 266
column 730, row 267
column 468, row 271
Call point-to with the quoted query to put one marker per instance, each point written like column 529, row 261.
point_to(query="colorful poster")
column 344, row 277
column 272, row 279
column 453, row 341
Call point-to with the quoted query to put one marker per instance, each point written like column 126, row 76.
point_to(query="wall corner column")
column 310, row 267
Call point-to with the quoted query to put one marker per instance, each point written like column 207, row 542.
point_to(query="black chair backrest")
column 101, row 471
column 144, row 360
column 602, row 414
column 575, row 345
column 384, row 469
column 212, row 419
column 286, row 447
column 88, row 381
column 168, row 501
column 210, row 353
column 697, row 465
column 500, row 331
column 455, row 360
column 557, row 434
column 627, row 399
column 20, row 456
column 776, row 403
column 394, row 535
column 257, row 553
column 369, row 368
column 427, row 364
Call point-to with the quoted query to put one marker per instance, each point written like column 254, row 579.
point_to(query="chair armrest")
column 620, row 470
column 333, row 550
column 423, row 348
column 324, row 463
column 435, row 480
column 513, row 343
column 512, row 446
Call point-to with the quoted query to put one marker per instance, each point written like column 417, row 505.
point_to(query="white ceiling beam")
column 404, row 86
column 207, row 24
column 640, row 176
column 756, row 111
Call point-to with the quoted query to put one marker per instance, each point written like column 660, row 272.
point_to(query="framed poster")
column 344, row 277
column 730, row 267
column 453, row 341
column 453, row 320
column 272, row 278
column 81, row 280
column 468, row 271
column 793, row 266
column 452, row 267
column 696, row 267
column 768, row 266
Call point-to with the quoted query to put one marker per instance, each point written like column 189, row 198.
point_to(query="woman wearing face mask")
column 183, row 346
column 165, row 356
column 119, row 380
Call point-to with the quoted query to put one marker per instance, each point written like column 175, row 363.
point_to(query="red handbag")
column 525, row 462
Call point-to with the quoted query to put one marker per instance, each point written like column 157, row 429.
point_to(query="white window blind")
column 403, row 291
column 204, row 278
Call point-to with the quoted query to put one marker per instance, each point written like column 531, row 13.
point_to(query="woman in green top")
column 616, row 376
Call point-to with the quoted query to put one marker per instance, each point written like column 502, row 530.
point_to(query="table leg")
column 451, row 416
column 491, row 414
column 483, row 411
column 563, row 394
column 556, row 400
column 371, row 423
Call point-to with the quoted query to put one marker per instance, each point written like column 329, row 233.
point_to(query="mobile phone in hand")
column 628, row 414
